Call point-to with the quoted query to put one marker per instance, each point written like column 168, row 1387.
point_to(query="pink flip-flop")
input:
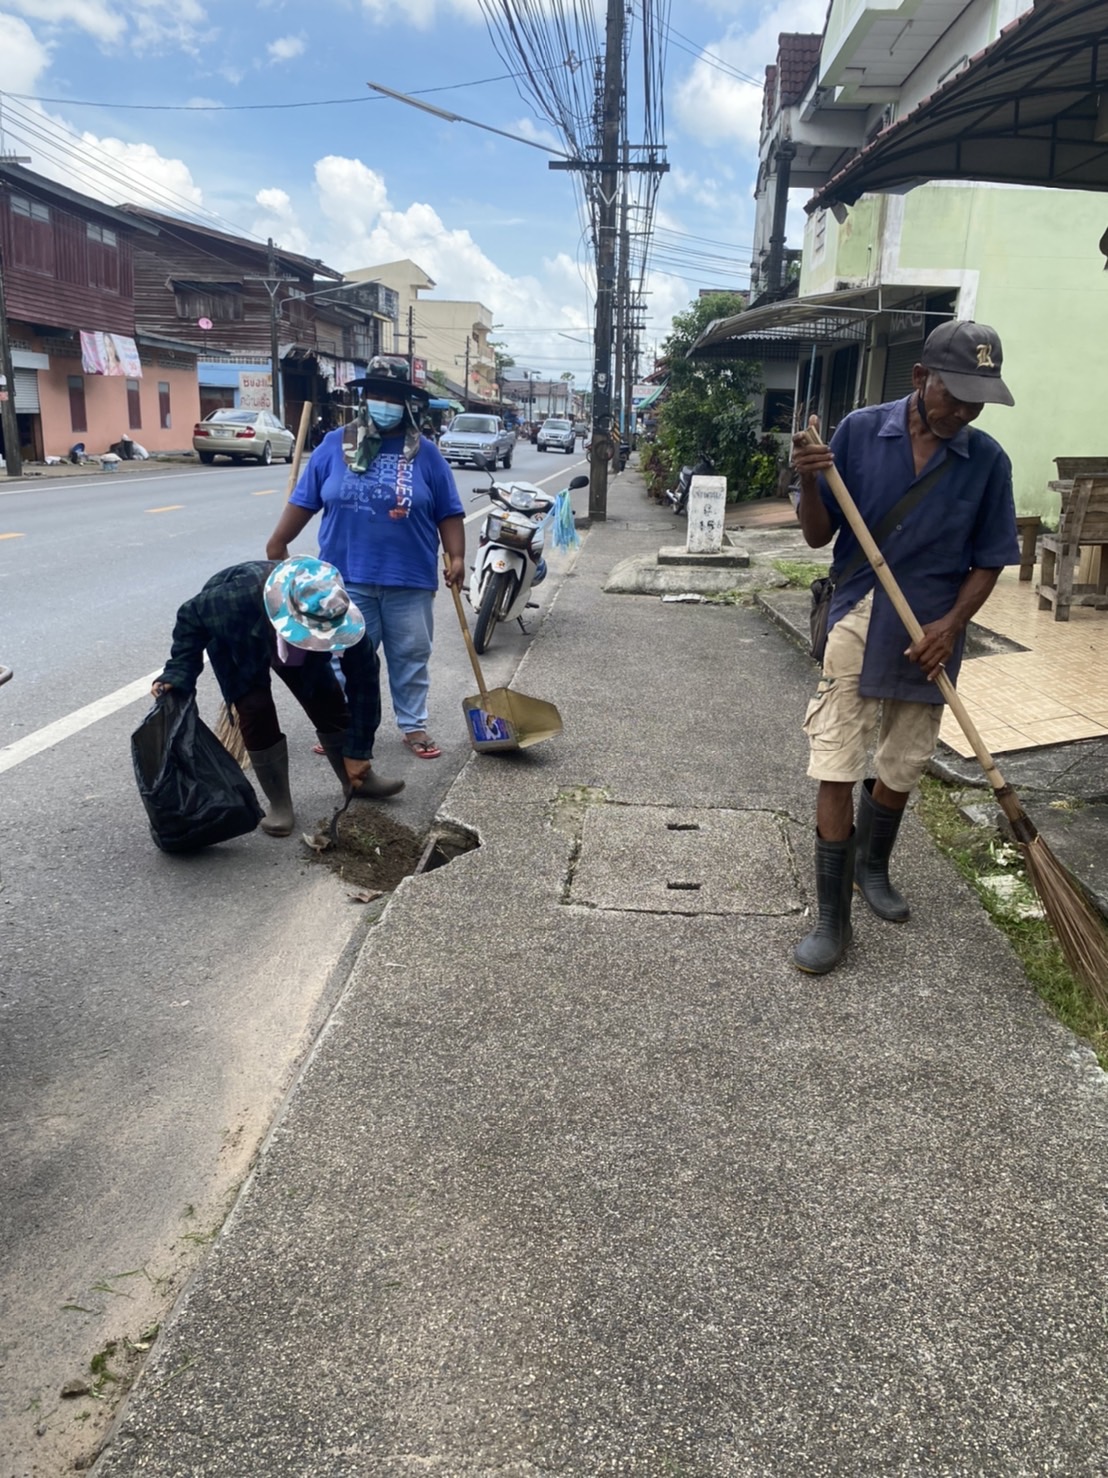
column 422, row 745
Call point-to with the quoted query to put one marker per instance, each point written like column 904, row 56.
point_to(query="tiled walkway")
column 1054, row 692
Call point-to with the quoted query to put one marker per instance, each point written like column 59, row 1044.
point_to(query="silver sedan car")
column 244, row 436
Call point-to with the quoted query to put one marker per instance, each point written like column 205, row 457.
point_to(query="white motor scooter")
column 509, row 559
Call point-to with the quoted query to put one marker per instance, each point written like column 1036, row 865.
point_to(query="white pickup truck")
column 477, row 438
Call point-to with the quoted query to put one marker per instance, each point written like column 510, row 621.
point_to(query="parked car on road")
column 242, row 435
column 557, row 436
column 482, row 440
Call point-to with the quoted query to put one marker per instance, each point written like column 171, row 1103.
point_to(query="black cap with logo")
column 968, row 356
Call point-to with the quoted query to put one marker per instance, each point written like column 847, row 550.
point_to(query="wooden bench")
column 1083, row 524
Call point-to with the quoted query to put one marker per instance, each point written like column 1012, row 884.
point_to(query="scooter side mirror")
column 579, row 482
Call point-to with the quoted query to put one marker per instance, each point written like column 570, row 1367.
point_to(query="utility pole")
column 605, row 195
column 606, row 262
column 13, row 453
column 411, row 341
column 623, row 307
column 274, row 352
column 465, row 397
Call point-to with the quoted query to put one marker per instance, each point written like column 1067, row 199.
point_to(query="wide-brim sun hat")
column 308, row 605
column 388, row 375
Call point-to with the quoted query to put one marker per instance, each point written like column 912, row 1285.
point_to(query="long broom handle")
column 301, row 438
column 1005, row 797
column 470, row 648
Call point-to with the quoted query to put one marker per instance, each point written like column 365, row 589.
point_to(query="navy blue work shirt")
column 965, row 521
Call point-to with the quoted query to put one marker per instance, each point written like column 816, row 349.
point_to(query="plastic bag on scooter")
column 195, row 794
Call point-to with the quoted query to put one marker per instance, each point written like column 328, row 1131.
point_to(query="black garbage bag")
column 195, row 794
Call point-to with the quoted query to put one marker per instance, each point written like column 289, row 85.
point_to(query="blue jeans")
column 401, row 621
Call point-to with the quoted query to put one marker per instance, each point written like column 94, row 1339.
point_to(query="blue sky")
column 371, row 180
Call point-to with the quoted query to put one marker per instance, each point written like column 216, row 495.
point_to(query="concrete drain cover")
column 651, row 859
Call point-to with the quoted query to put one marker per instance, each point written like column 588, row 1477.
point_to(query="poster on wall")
column 255, row 391
column 110, row 354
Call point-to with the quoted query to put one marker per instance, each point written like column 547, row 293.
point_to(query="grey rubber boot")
column 875, row 838
column 272, row 769
column 373, row 788
column 824, row 947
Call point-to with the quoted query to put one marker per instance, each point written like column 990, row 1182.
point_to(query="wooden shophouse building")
column 225, row 294
column 83, row 370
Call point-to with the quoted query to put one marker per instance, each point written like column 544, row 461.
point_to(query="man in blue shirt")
column 946, row 553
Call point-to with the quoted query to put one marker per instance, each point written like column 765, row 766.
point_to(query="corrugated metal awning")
column 1024, row 111
column 824, row 318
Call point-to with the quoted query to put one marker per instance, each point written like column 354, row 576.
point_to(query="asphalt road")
column 153, row 1009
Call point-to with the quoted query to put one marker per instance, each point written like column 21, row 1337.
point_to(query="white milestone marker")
column 707, row 500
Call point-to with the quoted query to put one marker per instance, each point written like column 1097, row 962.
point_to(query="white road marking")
column 82, row 718
column 54, row 484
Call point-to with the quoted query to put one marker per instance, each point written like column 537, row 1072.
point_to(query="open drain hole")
column 444, row 844
column 685, row 887
column 682, row 825
column 375, row 853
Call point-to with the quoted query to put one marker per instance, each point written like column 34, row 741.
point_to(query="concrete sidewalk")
column 584, row 1178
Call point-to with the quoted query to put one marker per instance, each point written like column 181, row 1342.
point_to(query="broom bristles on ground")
column 1077, row 925
column 229, row 734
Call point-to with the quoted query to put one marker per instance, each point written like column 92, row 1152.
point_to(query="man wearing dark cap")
column 938, row 499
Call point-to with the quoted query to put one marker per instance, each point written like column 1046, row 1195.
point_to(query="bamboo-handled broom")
column 1076, row 924
column 227, row 729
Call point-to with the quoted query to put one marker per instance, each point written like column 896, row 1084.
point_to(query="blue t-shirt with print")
column 966, row 521
column 380, row 527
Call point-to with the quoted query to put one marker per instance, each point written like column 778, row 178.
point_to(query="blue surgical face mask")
column 385, row 417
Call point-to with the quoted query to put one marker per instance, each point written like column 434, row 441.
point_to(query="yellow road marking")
column 265, row 492
column 11, row 536
column 169, row 508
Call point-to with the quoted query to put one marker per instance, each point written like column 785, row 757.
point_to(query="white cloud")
column 159, row 24
column 112, row 169
column 144, row 177
column 23, row 57
column 527, row 128
column 94, row 16
column 279, row 221
column 715, row 107
column 285, row 48
column 353, row 223
column 423, row 15
column 144, row 25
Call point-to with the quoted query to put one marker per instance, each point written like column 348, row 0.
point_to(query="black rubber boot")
column 875, row 838
column 272, row 769
column 824, row 947
column 372, row 788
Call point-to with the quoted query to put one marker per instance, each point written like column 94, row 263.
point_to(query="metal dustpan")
column 497, row 718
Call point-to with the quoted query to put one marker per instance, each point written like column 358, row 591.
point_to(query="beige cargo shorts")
column 841, row 724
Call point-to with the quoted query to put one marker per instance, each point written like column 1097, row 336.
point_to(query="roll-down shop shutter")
column 901, row 360
column 26, row 392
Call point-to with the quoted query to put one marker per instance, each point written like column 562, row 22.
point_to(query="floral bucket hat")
column 308, row 604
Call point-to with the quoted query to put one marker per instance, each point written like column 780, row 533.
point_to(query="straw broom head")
column 229, row 734
column 1077, row 926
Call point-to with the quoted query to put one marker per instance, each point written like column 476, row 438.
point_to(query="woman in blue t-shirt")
column 388, row 499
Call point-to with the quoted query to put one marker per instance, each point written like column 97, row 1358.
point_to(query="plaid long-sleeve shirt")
column 228, row 619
